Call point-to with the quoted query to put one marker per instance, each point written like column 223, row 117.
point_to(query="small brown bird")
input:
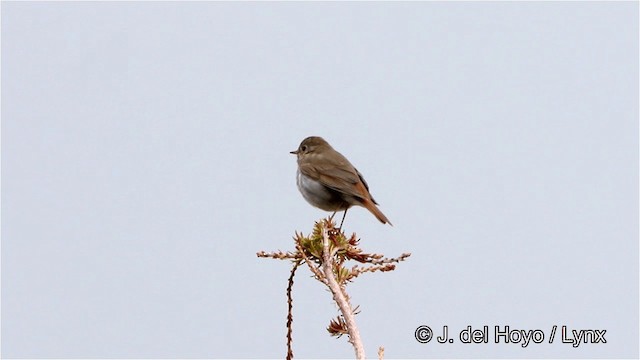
column 328, row 181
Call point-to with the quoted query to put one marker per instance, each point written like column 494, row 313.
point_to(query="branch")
column 326, row 252
column 339, row 296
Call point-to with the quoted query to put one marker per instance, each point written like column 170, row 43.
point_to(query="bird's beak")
column 295, row 152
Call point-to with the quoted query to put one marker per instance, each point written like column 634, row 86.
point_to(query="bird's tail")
column 369, row 205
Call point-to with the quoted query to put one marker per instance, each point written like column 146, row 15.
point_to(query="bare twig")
column 382, row 260
column 277, row 255
column 290, row 311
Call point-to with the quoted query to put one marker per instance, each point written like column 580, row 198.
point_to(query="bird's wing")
column 338, row 174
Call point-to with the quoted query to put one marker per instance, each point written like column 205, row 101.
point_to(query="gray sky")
column 145, row 162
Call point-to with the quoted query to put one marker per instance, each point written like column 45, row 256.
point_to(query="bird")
column 327, row 180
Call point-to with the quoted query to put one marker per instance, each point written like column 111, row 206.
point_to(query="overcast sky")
column 145, row 162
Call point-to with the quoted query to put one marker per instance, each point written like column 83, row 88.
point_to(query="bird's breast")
column 319, row 195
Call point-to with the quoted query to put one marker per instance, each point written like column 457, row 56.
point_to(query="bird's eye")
column 303, row 148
